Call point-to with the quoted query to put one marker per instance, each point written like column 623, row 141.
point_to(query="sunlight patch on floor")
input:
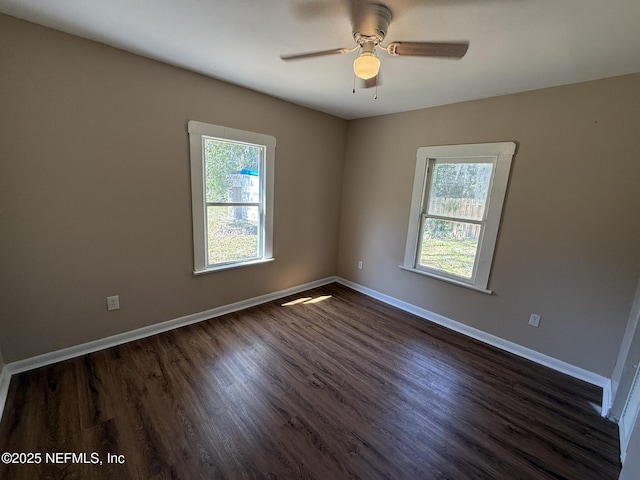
column 296, row 302
column 306, row 300
column 318, row 299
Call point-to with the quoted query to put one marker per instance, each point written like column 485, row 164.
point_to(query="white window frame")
column 501, row 154
column 198, row 131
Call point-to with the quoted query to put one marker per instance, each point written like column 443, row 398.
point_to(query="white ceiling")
column 515, row 45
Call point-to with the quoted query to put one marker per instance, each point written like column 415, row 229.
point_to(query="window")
column 232, row 196
column 458, row 193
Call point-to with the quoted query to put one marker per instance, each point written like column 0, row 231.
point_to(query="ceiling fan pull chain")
column 375, row 97
column 354, row 82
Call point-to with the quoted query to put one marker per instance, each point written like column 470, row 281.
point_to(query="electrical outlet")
column 359, row 264
column 113, row 303
column 534, row 319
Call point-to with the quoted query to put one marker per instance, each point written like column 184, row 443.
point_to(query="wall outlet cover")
column 534, row 319
column 113, row 303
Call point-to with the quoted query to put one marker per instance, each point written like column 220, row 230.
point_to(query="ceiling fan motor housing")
column 371, row 23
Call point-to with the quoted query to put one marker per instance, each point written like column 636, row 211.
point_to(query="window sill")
column 446, row 279
column 229, row 266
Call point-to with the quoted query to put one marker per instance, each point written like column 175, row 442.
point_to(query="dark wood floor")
column 345, row 388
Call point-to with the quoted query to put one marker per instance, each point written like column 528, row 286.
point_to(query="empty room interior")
column 230, row 252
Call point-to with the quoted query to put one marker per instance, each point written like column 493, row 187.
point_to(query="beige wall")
column 95, row 196
column 95, row 201
column 568, row 246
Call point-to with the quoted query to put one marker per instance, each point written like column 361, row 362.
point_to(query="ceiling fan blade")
column 321, row 53
column 429, row 49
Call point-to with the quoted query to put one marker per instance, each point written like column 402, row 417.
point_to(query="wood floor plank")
column 343, row 387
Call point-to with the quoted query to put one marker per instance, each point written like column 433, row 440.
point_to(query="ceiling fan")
column 370, row 22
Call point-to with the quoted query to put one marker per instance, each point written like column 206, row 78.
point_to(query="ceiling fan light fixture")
column 366, row 66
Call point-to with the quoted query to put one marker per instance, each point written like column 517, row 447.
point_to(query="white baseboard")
column 607, row 399
column 5, row 379
column 121, row 338
column 519, row 350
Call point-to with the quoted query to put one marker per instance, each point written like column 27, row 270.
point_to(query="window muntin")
column 456, row 207
column 232, row 196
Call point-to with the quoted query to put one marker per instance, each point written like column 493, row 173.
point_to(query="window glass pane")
column 459, row 189
column 449, row 246
column 233, row 234
column 232, row 171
